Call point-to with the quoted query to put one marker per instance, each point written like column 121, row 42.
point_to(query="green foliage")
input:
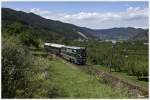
column 38, row 78
column 21, row 71
column 131, row 57
column 29, row 39
column 12, row 28
column 14, row 61
column 27, row 35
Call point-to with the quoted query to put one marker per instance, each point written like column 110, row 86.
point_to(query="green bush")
column 25, row 75
column 29, row 39
column 13, row 64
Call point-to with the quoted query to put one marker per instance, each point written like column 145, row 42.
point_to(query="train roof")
column 54, row 45
column 60, row 46
column 74, row 47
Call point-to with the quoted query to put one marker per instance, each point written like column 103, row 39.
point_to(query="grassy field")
column 71, row 82
column 124, row 76
column 77, row 84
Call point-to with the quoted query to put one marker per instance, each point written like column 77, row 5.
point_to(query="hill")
column 128, row 33
column 45, row 28
column 15, row 22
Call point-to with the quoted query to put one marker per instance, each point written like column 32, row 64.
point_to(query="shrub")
column 28, row 39
column 25, row 75
column 13, row 63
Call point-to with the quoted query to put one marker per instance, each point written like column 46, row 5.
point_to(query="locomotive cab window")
column 81, row 52
column 74, row 50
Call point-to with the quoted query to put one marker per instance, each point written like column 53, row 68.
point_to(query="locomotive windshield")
column 80, row 52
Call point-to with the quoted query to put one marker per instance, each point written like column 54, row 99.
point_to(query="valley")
column 29, row 71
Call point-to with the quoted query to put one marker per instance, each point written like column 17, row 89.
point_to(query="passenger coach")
column 53, row 48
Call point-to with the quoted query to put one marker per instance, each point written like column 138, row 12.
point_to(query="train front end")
column 76, row 55
column 81, row 56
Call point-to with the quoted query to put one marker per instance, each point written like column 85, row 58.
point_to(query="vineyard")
column 129, row 57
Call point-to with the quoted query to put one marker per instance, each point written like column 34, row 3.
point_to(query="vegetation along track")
column 114, row 81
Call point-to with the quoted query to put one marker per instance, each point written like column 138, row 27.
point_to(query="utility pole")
column 112, row 54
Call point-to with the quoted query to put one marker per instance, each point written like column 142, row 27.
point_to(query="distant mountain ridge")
column 122, row 33
column 49, row 29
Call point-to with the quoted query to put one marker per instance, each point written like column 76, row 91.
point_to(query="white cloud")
column 133, row 16
column 17, row 9
column 39, row 11
column 136, row 13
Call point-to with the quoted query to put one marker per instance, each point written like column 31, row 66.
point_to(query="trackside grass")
column 124, row 76
column 69, row 81
column 74, row 83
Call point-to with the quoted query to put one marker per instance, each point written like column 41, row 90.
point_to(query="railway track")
column 114, row 81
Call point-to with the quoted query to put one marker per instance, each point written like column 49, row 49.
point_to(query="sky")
column 95, row 15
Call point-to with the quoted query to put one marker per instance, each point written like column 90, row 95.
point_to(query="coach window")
column 69, row 50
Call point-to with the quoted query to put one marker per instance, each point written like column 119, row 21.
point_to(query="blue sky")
column 74, row 7
column 79, row 13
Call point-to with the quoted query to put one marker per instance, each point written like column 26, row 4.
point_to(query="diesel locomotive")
column 76, row 55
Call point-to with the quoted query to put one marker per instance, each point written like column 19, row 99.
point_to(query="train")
column 73, row 54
